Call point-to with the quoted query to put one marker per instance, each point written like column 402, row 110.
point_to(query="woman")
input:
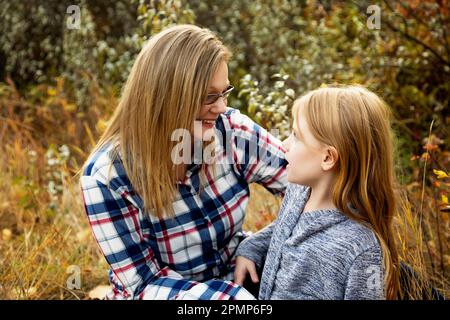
column 169, row 229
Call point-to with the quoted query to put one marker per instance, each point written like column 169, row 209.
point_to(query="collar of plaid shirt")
column 192, row 255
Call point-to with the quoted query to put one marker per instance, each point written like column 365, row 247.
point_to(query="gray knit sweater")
column 318, row 254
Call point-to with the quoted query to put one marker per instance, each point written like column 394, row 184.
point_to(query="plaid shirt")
column 190, row 256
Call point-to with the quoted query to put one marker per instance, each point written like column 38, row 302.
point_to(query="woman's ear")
column 330, row 158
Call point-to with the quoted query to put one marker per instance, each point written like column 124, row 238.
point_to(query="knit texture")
column 318, row 254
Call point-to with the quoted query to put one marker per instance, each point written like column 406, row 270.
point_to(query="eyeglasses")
column 212, row 97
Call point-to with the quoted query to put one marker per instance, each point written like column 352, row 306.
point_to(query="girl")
column 169, row 230
column 333, row 237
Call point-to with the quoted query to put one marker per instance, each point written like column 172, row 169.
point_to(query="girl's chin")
column 289, row 177
column 292, row 179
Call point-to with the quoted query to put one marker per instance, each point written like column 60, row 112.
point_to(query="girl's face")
column 304, row 153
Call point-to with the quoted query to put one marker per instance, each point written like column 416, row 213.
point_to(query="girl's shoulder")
column 358, row 237
column 332, row 227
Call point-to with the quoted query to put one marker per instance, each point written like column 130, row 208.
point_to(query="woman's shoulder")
column 233, row 119
column 104, row 165
column 234, row 115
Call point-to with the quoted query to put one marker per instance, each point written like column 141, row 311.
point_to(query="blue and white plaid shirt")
column 190, row 256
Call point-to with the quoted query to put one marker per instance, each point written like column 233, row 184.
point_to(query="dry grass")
column 43, row 226
column 42, row 236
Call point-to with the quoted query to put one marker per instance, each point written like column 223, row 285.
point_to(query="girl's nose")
column 286, row 143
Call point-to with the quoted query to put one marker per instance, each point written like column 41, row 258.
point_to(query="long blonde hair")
column 164, row 91
column 356, row 122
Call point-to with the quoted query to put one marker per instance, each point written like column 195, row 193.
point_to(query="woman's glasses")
column 212, row 97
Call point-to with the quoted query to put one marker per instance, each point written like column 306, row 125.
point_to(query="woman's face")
column 304, row 154
column 210, row 112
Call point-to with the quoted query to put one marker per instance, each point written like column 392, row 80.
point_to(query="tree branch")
column 411, row 37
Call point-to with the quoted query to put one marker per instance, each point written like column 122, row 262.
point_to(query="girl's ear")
column 330, row 158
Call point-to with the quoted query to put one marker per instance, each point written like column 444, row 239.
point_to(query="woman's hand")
column 244, row 266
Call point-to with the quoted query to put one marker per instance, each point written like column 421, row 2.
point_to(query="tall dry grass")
column 43, row 226
column 42, row 220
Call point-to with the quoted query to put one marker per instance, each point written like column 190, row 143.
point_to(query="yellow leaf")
column 444, row 199
column 5, row 205
column 31, row 292
column 6, row 234
column 101, row 125
column 440, row 174
column 51, row 92
column 425, row 156
column 83, row 235
column 447, row 259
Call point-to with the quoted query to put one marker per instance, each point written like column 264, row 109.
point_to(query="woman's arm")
column 135, row 270
column 258, row 156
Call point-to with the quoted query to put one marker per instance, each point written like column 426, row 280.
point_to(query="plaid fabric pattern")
column 190, row 256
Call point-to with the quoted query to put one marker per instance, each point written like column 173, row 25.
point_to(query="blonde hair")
column 356, row 122
column 164, row 91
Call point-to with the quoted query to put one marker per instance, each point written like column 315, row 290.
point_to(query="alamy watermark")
column 232, row 148
column 73, row 281
column 74, row 18
column 374, row 20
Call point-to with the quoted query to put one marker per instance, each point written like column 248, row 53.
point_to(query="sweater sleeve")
column 365, row 279
column 255, row 246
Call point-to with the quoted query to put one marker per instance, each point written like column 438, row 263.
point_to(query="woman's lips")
column 208, row 123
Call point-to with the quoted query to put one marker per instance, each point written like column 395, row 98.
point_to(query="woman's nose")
column 220, row 106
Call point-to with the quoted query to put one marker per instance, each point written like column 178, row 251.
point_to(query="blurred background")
column 63, row 64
